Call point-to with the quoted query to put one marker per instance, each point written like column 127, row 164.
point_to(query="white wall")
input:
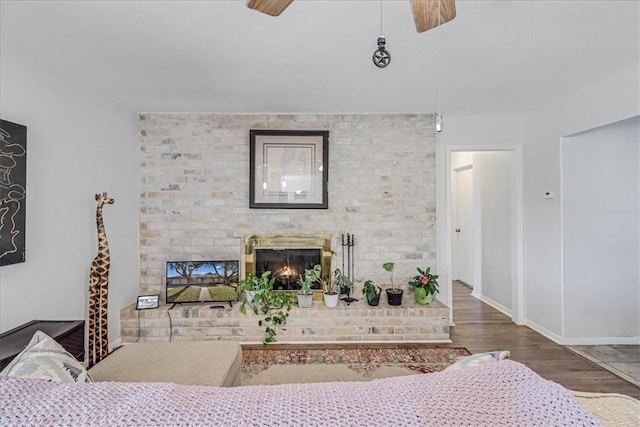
column 614, row 98
column 494, row 173
column 601, row 237
column 194, row 195
column 77, row 145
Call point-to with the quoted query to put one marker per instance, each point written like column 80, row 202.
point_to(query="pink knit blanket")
column 505, row 393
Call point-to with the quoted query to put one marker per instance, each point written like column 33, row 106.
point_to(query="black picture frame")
column 146, row 302
column 13, row 192
column 289, row 169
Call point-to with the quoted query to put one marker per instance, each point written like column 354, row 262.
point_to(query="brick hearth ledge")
column 409, row 322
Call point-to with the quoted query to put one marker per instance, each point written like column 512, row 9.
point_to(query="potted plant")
column 342, row 282
column 425, row 285
column 252, row 284
column 394, row 293
column 306, row 281
column 272, row 306
column 372, row 292
column 331, row 295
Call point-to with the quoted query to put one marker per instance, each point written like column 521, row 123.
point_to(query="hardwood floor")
column 480, row 328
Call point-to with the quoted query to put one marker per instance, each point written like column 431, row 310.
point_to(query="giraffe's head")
column 102, row 199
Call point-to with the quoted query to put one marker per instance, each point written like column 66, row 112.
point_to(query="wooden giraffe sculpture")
column 99, row 290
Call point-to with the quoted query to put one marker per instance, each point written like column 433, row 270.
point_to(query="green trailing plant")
column 370, row 290
column 255, row 283
column 271, row 306
column 425, row 283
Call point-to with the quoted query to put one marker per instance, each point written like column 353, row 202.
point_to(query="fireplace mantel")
column 320, row 241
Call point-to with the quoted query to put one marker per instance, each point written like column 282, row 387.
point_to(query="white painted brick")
column 194, row 189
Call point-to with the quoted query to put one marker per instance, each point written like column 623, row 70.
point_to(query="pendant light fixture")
column 381, row 56
column 439, row 118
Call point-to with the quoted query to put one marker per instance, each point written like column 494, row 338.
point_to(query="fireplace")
column 287, row 256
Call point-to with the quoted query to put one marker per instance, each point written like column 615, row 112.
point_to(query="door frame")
column 444, row 255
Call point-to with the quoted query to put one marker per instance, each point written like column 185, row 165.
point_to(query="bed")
column 505, row 393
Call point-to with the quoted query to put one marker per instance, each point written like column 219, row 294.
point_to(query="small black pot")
column 375, row 301
column 394, row 297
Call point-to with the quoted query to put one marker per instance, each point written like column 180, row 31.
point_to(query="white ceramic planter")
column 305, row 301
column 331, row 300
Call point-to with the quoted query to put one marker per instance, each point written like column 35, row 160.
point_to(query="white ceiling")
column 219, row 56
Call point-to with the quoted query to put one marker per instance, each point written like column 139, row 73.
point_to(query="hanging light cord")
column 439, row 54
column 380, row 16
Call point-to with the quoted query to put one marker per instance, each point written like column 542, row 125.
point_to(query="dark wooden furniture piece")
column 68, row 333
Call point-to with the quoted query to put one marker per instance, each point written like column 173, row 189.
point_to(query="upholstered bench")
column 215, row 363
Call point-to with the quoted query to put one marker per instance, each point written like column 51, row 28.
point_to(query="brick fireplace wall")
column 194, row 192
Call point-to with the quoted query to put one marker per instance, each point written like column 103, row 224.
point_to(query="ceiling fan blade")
column 270, row 7
column 425, row 13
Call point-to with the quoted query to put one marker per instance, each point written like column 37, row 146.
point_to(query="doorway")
column 462, row 221
column 485, row 230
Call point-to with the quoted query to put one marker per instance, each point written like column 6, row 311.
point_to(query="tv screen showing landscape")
column 202, row 281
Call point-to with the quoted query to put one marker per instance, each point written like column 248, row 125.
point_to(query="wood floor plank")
column 485, row 329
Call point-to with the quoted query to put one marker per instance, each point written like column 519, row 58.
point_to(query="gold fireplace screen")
column 320, row 241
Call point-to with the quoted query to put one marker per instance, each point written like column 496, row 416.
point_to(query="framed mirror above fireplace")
column 287, row 256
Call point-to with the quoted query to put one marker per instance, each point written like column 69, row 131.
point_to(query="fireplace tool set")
column 349, row 243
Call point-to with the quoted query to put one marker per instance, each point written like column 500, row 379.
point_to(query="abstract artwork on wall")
column 13, row 186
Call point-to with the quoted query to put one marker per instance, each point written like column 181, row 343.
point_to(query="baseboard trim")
column 545, row 332
column 602, row 341
column 501, row 308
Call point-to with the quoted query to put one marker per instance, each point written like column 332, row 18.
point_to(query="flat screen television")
column 201, row 281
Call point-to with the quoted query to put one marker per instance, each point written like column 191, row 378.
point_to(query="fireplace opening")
column 287, row 256
column 287, row 265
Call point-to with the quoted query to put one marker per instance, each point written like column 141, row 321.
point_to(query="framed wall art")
column 289, row 169
column 13, row 192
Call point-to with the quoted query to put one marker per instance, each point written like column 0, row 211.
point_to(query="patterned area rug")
column 279, row 366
